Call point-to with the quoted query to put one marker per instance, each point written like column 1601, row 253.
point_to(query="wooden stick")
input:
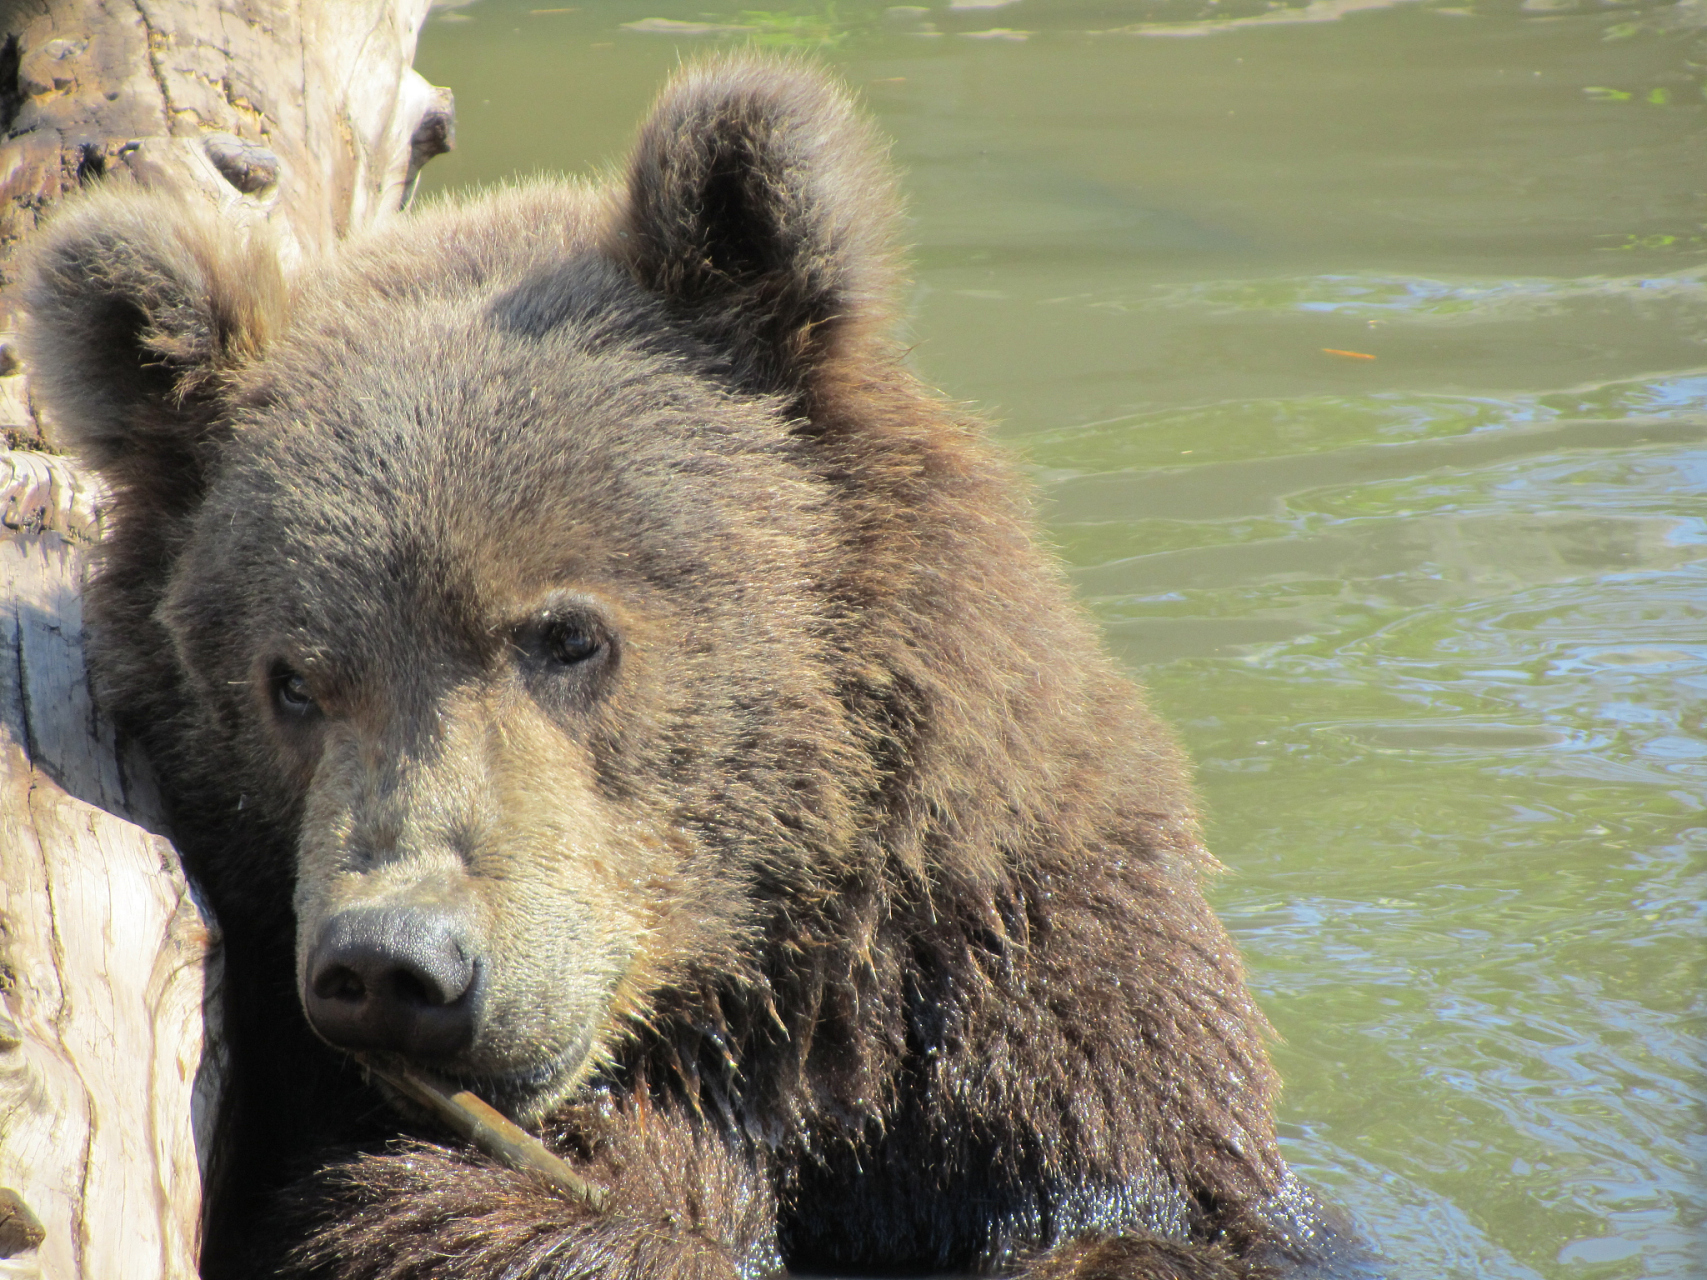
column 491, row 1131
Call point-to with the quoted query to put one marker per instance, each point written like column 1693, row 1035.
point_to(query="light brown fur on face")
column 494, row 820
column 585, row 664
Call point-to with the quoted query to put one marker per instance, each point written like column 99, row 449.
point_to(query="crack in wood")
column 149, row 36
column 85, row 1164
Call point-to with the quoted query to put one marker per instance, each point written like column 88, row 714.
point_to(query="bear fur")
column 580, row 564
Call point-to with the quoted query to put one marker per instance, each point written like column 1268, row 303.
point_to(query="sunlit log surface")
column 308, row 117
column 106, row 959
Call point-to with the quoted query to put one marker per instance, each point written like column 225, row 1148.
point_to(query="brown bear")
column 586, row 667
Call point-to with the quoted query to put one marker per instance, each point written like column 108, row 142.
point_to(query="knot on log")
column 434, row 135
column 248, row 166
column 19, row 1230
column 47, row 69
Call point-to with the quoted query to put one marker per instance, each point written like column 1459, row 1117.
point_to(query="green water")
column 1433, row 624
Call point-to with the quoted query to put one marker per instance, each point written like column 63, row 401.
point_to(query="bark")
column 299, row 113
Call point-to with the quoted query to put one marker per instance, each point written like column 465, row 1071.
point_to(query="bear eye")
column 569, row 641
column 565, row 651
column 290, row 691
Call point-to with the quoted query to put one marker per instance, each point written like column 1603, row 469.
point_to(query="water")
column 1434, row 624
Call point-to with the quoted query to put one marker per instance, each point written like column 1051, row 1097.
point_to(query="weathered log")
column 106, row 972
column 299, row 114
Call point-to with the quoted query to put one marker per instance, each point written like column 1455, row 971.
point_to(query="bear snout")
column 404, row 979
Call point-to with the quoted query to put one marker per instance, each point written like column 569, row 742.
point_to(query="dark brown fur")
column 848, row 918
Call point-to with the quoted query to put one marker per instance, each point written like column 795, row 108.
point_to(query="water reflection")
column 1434, row 623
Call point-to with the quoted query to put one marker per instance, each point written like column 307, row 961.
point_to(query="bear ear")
column 761, row 209
column 138, row 308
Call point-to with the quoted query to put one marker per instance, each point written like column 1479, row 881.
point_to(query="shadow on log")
column 303, row 115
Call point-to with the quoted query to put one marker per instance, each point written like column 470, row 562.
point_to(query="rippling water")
column 1434, row 623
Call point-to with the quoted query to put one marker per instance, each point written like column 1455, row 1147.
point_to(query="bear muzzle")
column 402, row 979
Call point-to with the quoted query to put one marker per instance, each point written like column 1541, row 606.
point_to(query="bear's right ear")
column 760, row 209
column 138, row 308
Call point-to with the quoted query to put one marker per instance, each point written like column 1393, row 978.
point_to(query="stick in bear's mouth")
column 489, row 1130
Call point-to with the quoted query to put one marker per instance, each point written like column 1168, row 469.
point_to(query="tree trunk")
column 299, row 113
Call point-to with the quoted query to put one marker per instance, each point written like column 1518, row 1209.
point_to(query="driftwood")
column 302, row 114
column 105, row 977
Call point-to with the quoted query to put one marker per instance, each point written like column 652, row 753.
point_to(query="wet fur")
column 918, row 975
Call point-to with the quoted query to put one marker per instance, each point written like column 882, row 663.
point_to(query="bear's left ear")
column 761, row 210
column 139, row 309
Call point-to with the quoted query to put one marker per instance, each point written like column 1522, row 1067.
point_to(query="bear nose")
column 400, row 979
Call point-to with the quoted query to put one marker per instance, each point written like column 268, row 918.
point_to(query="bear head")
column 476, row 593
